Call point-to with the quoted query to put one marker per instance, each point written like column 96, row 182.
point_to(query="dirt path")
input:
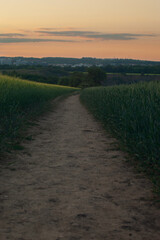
column 71, row 183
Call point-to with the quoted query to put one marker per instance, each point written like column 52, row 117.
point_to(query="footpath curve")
column 72, row 183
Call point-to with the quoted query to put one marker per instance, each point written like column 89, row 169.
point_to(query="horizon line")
column 114, row 58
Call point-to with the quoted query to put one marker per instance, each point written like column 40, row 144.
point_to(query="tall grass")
column 19, row 100
column 132, row 113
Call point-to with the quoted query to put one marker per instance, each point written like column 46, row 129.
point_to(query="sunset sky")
column 80, row 28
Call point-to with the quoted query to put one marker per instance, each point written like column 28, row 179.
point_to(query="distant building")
column 5, row 61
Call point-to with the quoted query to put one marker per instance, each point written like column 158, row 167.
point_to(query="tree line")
column 93, row 76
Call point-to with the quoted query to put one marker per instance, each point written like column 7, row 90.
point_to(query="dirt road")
column 70, row 183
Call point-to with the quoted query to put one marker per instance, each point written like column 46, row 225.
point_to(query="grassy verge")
column 132, row 113
column 20, row 101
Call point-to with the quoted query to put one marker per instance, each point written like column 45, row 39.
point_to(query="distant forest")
column 74, row 61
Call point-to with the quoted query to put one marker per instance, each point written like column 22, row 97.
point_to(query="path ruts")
column 71, row 183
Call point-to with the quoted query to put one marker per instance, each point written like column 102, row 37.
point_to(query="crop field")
column 19, row 101
column 132, row 113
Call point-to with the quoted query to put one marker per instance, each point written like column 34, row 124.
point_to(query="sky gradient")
column 80, row 28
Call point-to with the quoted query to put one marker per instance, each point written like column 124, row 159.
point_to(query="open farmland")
column 19, row 102
column 129, row 78
column 132, row 113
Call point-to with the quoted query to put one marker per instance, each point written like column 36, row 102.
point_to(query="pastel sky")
column 80, row 28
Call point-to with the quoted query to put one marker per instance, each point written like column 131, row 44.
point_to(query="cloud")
column 27, row 40
column 119, row 36
column 11, row 35
column 73, row 36
column 56, row 28
column 96, row 35
column 68, row 33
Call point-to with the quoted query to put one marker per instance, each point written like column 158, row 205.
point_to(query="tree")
column 76, row 78
column 63, row 81
column 95, row 76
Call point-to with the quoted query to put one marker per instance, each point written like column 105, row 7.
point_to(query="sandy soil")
column 70, row 183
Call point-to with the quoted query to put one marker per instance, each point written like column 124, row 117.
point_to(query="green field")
column 134, row 74
column 132, row 113
column 19, row 102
